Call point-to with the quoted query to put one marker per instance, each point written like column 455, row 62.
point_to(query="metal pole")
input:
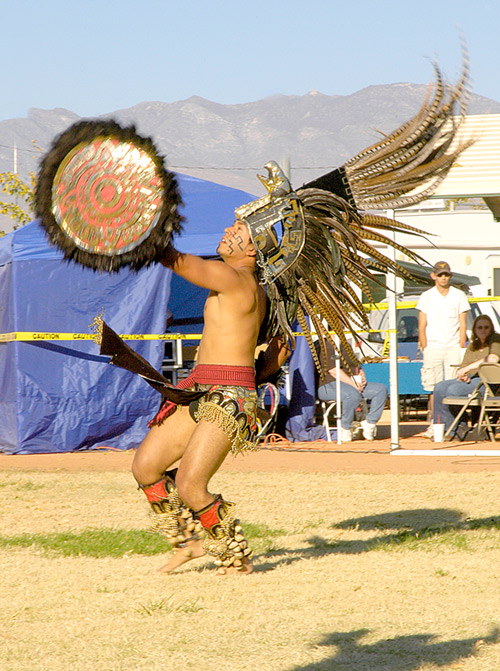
column 393, row 348
column 338, row 405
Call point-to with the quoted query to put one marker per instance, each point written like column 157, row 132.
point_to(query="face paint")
column 236, row 241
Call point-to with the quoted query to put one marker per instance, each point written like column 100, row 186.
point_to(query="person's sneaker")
column 345, row 435
column 369, row 430
column 429, row 432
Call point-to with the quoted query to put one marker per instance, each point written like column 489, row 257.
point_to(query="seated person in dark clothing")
column 484, row 346
column 353, row 389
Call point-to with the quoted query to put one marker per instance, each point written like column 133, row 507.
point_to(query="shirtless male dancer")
column 233, row 314
column 309, row 247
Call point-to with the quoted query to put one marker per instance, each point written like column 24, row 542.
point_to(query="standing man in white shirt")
column 441, row 331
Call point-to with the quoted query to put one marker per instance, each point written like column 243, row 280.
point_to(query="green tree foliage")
column 21, row 207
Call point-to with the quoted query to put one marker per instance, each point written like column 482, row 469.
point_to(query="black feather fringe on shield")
column 151, row 249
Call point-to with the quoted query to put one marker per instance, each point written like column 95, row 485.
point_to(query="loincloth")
column 230, row 402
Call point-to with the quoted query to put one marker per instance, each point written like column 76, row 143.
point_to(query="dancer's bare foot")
column 191, row 550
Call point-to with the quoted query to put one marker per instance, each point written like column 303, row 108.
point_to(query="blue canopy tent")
column 300, row 424
column 63, row 396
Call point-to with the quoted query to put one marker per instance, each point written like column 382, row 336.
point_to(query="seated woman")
column 484, row 346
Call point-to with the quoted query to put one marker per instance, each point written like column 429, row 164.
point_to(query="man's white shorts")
column 439, row 364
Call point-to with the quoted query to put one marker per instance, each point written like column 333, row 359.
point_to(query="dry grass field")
column 353, row 572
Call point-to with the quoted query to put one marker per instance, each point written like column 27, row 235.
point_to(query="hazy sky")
column 97, row 56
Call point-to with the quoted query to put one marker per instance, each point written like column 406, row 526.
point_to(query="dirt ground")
column 320, row 456
column 363, row 561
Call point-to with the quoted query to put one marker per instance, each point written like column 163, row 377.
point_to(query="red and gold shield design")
column 107, row 195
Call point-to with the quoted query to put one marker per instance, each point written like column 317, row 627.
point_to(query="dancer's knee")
column 147, row 467
column 139, row 470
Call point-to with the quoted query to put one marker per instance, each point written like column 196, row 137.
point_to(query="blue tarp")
column 63, row 396
column 300, row 426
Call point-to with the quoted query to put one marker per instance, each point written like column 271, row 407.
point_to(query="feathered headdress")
column 315, row 245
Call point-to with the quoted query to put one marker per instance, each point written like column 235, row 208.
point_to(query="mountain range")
column 229, row 144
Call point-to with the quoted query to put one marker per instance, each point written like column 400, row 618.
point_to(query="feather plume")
column 407, row 165
column 338, row 255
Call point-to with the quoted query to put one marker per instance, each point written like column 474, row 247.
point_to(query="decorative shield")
column 105, row 198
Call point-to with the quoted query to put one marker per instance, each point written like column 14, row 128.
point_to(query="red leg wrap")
column 171, row 517
column 224, row 539
column 210, row 517
column 156, row 492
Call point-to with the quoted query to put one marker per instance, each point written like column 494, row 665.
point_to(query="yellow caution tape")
column 28, row 336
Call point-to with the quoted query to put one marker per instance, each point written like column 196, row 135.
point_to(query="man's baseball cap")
column 442, row 267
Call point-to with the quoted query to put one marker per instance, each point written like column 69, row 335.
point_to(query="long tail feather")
column 408, row 164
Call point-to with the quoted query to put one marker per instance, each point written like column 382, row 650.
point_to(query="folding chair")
column 489, row 416
column 326, row 408
column 466, row 402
